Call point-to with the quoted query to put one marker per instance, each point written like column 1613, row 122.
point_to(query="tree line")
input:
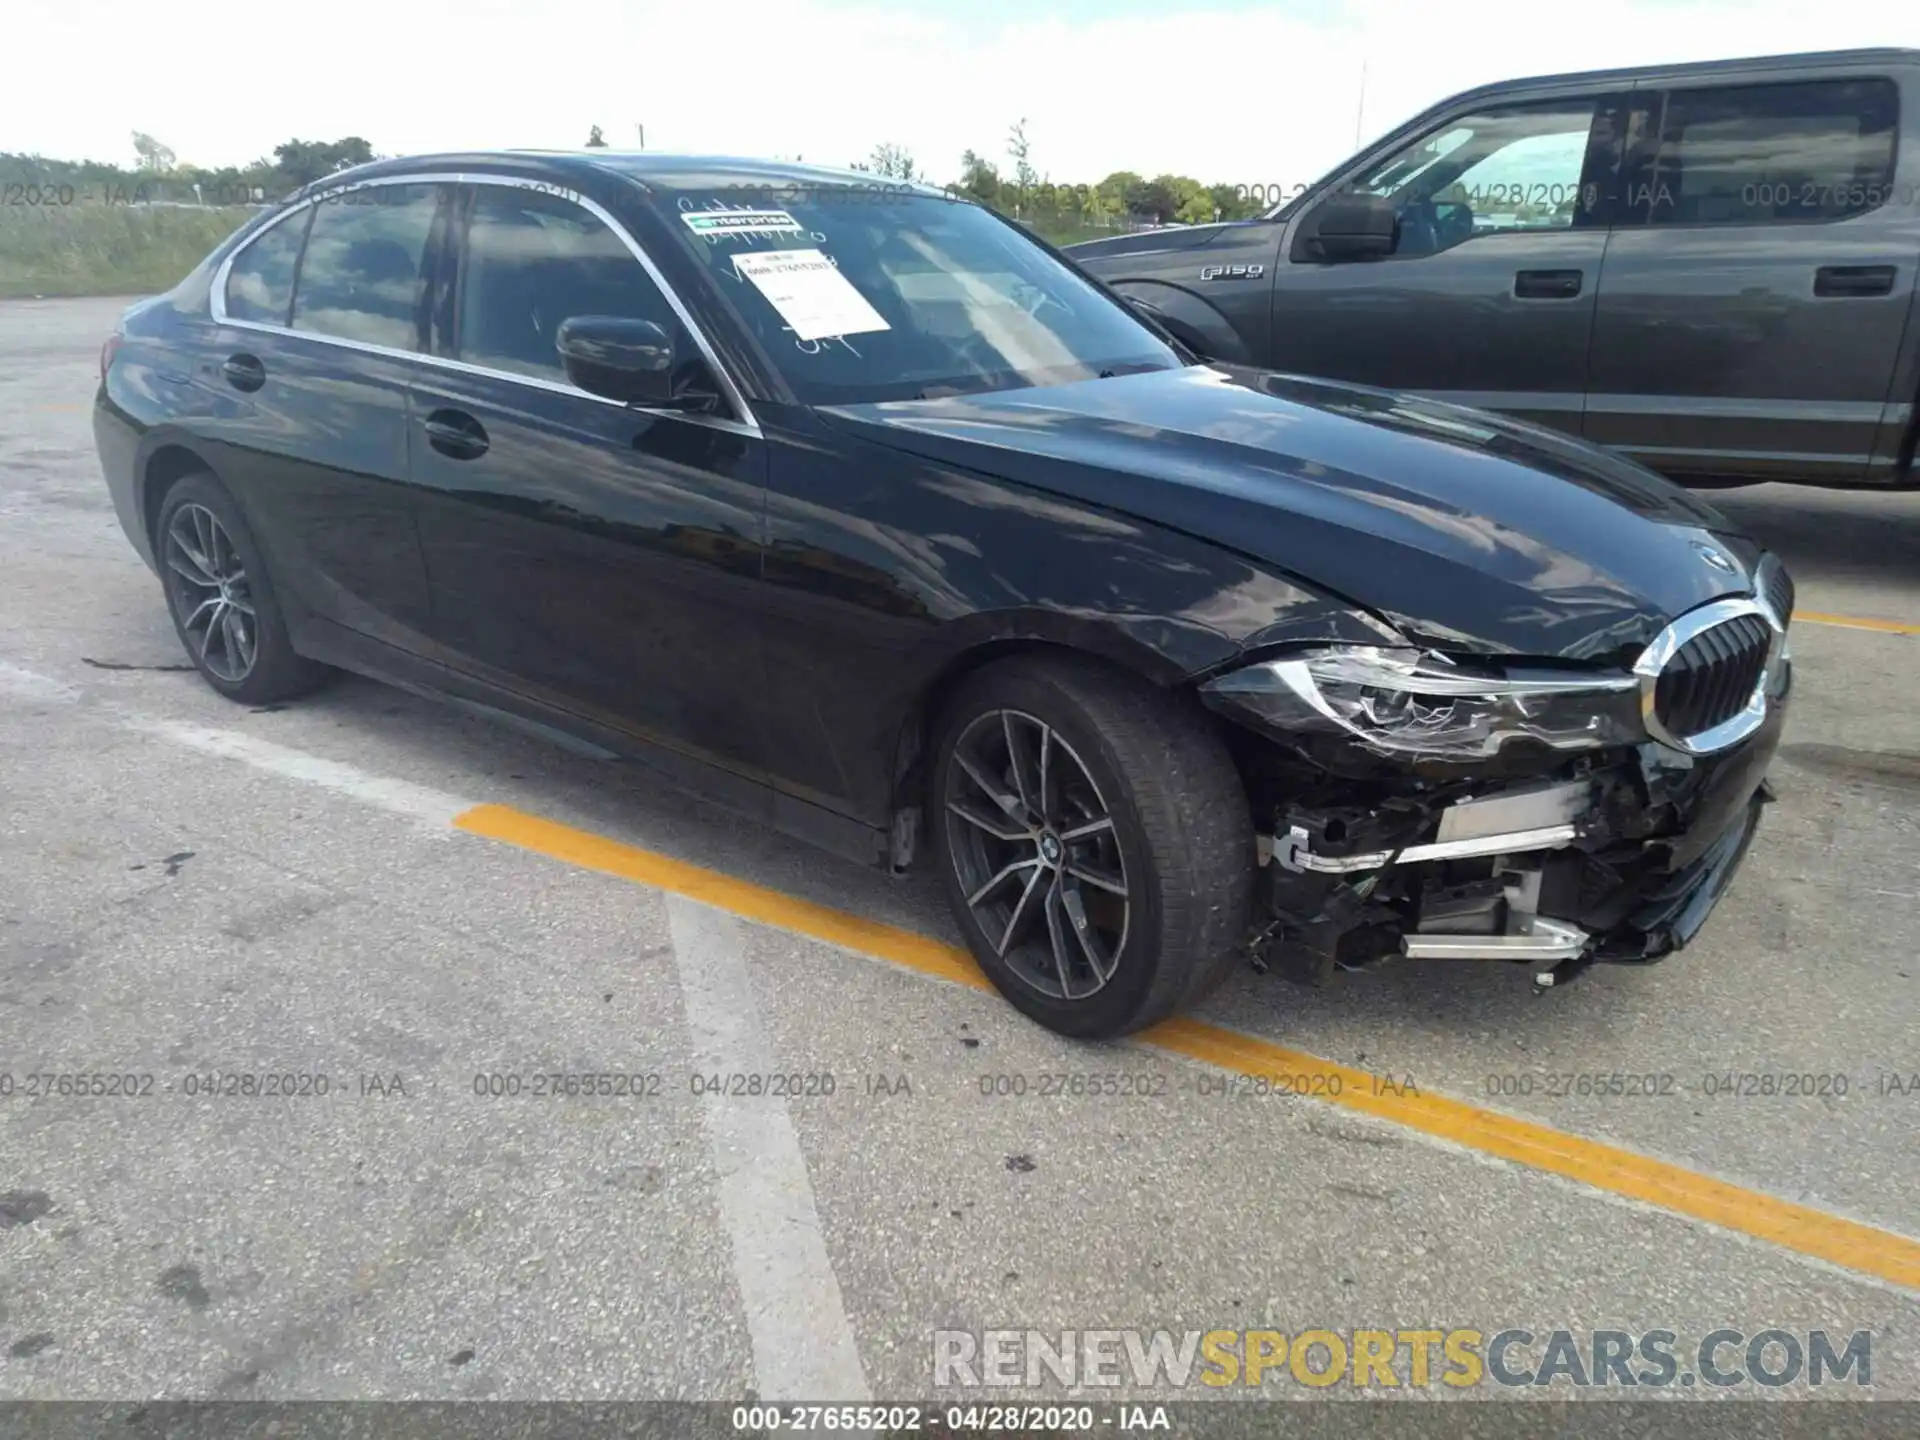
column 1024, row 193
column 1018, row 188
column 157, row 174
column 1125, row 197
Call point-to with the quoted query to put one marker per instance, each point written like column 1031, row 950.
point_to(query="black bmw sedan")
column 861, row 511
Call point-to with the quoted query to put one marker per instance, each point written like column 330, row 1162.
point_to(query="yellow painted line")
column 1847, row 1243
column 755, row 902
column 1856, row 622
column 1592, row 1162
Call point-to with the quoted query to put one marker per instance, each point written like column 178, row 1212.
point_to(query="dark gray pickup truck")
column 1707, row 267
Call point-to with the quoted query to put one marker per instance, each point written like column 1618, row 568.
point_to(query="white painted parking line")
column 435, row 808
column 31, row 685
column 803, row 1347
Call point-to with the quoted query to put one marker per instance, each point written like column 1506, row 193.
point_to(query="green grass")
column 1069, row 232
column 105, row 249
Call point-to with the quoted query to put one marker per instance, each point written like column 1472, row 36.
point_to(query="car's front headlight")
column 1410, row 702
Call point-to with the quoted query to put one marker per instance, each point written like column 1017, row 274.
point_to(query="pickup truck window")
column 1513, row 168
column 1764, row 154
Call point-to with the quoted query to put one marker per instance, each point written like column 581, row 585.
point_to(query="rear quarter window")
column 260, row 280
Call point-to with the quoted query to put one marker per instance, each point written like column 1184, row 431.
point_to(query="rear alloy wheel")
column 223, row 604
column 1094, row 843
column 215, row 605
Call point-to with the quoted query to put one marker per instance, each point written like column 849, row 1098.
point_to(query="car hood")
column 1465, row 530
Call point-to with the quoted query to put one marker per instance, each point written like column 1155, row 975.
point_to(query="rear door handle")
column 455, row 434
column 244, row 372
column 1548, row 284
column 1845, row 280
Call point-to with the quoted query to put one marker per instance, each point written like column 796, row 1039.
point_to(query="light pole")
column 643, row 133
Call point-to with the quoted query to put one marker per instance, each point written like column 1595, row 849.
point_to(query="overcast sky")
column 1236, row 91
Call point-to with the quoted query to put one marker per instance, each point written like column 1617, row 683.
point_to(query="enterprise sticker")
column 740, row 222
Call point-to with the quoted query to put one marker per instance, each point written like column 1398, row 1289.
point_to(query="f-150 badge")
column 1232, row 272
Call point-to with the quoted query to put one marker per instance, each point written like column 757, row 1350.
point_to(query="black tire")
column 1181, row 842
column 244, row 653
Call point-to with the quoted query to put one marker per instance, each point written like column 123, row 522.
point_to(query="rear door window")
column 1764, row 154
column 361, row 277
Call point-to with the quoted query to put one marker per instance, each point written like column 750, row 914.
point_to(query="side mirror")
column 1182, row 336
column 632, row 361
column 1354, row 227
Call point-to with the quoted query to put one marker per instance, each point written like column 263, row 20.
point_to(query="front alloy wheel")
column 1034, row 845
column 1094, row 841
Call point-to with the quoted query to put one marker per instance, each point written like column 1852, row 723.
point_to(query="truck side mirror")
column 1354, row 227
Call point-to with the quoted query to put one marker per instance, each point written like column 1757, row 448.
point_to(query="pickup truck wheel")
column 1094, row 841
column 223, row 605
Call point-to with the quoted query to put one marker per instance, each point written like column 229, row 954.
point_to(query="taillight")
column 107, row 352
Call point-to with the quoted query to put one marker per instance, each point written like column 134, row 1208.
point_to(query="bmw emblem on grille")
column 1713, row 557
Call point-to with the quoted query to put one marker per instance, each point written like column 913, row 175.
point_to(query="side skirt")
column 751, row 799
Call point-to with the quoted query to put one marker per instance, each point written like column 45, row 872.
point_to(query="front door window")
column 1516, row 168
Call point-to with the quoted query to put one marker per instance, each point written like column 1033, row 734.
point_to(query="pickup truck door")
column 1488, row 296
column 1758, row 281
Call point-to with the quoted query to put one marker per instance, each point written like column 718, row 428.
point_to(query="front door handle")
column 1845, row 280
column 1547, row 284
column 455, row 434
column 244, row 372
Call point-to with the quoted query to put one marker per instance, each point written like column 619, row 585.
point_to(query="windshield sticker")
column 717, row 224
column 813, row 297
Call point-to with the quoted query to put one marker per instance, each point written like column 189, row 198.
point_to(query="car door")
column 1488, row 296
column 1758, row 282
column 587, row 555
column 316, row 321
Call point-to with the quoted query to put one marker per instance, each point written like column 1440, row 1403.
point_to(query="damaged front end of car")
column 1412, row 804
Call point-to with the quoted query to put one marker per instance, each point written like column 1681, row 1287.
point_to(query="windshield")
column 865, row 294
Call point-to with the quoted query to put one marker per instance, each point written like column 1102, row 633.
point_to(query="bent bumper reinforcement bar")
column 1292, row 853
column 1545, row 940
column 1537, row 938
